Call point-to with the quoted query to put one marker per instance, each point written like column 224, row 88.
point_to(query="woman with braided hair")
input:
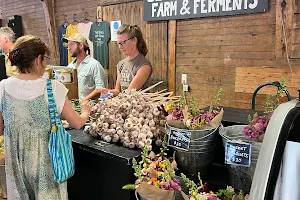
column 135, row 70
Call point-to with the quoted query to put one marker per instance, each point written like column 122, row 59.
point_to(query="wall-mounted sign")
column 114, row 26
column 184, row 9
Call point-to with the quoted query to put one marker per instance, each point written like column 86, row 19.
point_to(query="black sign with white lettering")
column 179, row 139
column 184, row 9
column 238, row 154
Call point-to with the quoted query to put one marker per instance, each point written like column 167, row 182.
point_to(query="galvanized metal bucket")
column 240, row 177
column 201, row 151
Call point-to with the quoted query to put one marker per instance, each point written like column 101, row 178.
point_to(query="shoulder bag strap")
column 55, row 120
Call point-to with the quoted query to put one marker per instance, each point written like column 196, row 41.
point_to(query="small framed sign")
column 179, row 139
column 238, row 153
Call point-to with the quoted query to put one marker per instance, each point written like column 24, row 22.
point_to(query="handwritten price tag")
column 179, row 139
column 238, row 153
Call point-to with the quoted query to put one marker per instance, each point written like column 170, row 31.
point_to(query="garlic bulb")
column 130, row 118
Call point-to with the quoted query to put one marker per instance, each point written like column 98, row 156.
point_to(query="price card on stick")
column 238, row 153
column 179, row 139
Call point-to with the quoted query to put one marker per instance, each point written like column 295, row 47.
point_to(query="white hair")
column 8, row 33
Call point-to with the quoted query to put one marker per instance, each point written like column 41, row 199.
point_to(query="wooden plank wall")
column 154, row 33
column 236, row 53
column 32, row 13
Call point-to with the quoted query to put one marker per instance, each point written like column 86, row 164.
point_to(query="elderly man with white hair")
column 7, row 39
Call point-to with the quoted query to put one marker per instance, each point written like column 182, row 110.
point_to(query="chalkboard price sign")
column 179, row 139
column 238, row 153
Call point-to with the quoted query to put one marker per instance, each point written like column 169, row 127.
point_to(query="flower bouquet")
column 257, row 126
column 201, row 192
column 155, row 175
column 185, row 115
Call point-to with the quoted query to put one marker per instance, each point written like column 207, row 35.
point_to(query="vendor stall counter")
column 101, row 169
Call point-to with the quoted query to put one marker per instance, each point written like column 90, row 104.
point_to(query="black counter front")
column 101, row 169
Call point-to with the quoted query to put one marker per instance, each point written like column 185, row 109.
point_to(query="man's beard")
column 75, row 53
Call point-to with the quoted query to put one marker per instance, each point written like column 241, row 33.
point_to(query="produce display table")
column 100, row 170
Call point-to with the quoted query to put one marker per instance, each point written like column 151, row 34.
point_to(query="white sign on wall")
column 114, row 26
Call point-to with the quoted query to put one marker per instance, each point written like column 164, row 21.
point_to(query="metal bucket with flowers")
column 203, row 126
column 201, row 191
column 241, row 177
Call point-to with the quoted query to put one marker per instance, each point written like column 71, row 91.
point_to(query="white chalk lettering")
column 240, row 148
column 237, row 5
column 203, row 10
column 245, row 155
column 179, row 137
column 228, row 7
column 196, row 5
column 211, row 6
column 254, row 4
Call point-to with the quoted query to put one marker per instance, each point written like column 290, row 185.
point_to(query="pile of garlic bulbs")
column 131, row 118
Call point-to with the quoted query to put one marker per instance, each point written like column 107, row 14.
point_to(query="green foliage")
column 193, row 189
column 129, row 187
column 225, row 194
column 164, row 147
column 76, row 105
column 216, row 102
column 194, row 110
column 137, row 169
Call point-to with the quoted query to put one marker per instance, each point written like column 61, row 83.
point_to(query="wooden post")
column 284, row 27
column 279, row 34
column 48, row 6
column 172, row 55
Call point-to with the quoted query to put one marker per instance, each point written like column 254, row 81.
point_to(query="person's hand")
column 84, row 99
column 103, row 91
column 94, row 109
column 86, row 107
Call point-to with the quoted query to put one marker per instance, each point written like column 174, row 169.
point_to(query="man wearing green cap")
column 91, row 75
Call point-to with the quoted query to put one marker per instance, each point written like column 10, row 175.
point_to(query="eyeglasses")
column 123, row 42
column 47, row 58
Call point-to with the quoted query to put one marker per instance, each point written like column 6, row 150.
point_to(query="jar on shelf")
column 57, row 75
column 65, row 76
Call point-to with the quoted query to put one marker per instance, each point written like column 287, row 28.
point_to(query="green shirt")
column 100, row 35
column 91, row 76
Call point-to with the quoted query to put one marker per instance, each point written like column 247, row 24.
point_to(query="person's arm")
column 73, row 118
column 91, row 95
column 140, row 78
column 114, row 91
column 1, row 124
